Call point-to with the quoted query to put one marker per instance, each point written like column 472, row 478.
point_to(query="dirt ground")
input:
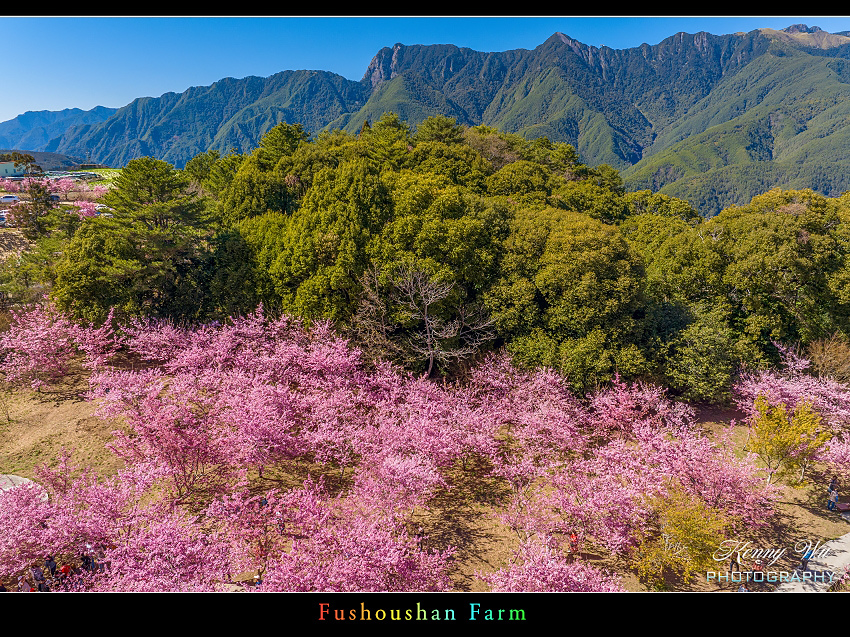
column 36, row 425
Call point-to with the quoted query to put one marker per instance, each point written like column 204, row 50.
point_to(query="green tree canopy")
column 569, row 291
column 317, row 273
column 279, row 142
column 439, row 128
column 152, row 192
column 147, row 259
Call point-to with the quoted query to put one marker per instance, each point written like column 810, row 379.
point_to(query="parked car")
column 10, row 199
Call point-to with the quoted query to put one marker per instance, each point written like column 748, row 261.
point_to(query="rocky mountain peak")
column 382, row 67
column 801, row 28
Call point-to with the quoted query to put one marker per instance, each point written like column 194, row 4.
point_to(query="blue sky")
column 53, row 63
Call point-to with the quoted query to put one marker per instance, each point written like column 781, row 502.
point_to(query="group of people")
column 51, row 577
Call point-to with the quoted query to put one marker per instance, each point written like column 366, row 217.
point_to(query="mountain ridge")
column 676, row 110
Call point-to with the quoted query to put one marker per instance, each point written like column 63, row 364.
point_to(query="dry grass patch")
column 41, row 423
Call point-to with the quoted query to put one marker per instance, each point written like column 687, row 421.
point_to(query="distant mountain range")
column 711, row 118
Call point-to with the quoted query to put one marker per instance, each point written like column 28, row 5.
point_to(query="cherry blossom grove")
column 205, row 412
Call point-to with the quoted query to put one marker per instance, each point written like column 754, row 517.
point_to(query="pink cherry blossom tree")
column 540, row 567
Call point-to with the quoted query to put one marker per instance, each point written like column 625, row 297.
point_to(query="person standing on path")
column 37, row 574
column 833, row 486
column 804, row 563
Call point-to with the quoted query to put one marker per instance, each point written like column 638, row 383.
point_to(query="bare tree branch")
column 426, row 336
